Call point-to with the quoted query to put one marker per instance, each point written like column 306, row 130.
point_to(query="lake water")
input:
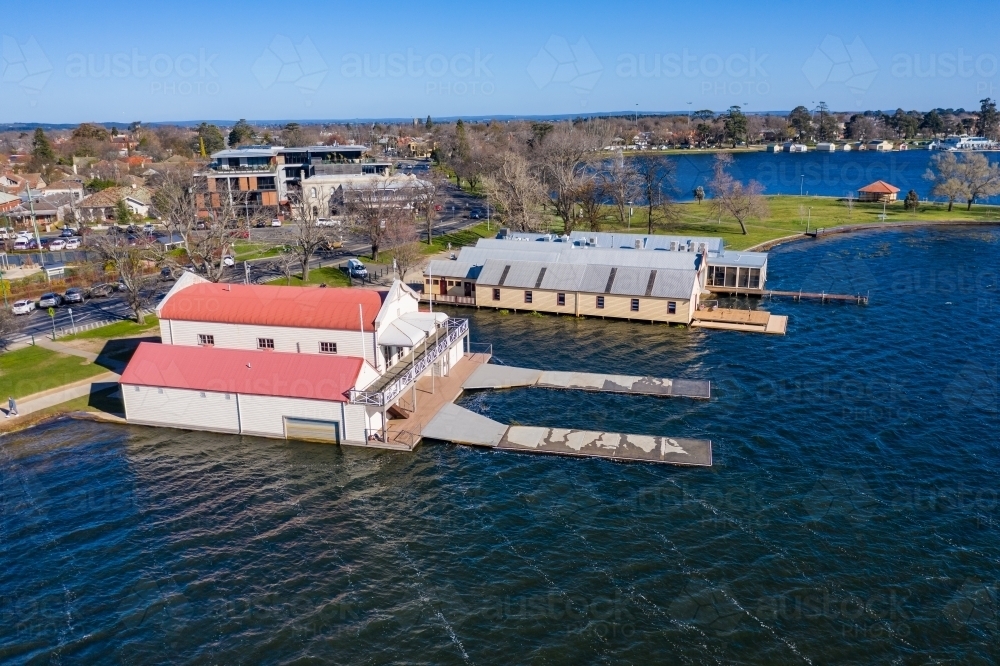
column 850, row 517
column 825, row 174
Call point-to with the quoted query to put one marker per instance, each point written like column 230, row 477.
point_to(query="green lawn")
column 246, row 250
column 789, row 215
column 34, row 369
column 119, row 329
column 331, row 276
column 457, row 239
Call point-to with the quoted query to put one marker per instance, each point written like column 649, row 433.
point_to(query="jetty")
column 818, row 296
column 748, row 321
column 428, row 412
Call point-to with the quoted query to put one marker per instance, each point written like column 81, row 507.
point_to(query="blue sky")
column 314, row 60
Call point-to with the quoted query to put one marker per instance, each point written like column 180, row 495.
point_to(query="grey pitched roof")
column 452, row 269
column 736, row 258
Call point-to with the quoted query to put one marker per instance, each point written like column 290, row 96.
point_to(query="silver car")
column 50, row 300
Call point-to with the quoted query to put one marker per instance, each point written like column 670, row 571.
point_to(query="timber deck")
column 750, row 321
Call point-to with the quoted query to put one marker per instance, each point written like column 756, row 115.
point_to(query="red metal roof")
column 249, row 372
column 880, row 187
column 299, row 307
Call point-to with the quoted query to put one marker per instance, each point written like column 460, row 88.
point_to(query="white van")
column 21, row 243
column 356, row 269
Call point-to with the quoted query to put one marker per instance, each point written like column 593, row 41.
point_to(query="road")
column 455, row 208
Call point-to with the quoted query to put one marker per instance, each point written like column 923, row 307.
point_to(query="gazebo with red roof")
column 879, row 191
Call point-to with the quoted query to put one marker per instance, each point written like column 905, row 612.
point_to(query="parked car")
column 114, row 230
column 38, row 244
column 260, row 224
column 120, row 285
column 57, row 244
column 275, row 222
column 437, row 207
column 21, row 244
column 73, row 244
column 50, row 300
column 167, row 273
column 327, row 222
column 356, row 269
column 101, row 290
column 68, row 233
column 147, row 228
column 201, row 225
column 6, row 234
column 74, row 295
column 23, row 307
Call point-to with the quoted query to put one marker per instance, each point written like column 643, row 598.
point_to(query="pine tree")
column 41, row 149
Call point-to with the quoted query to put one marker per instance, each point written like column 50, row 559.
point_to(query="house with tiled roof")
column 100, row 206
column 67, row 186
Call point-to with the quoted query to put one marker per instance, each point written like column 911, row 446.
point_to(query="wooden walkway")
column 432, row 393
column 748, row 321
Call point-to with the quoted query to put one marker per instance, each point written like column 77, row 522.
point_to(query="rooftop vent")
column 638, row 244
column 673, row 246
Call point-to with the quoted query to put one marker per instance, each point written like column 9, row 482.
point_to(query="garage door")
column 312, row 430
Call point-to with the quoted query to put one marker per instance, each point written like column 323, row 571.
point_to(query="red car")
column 437, row 207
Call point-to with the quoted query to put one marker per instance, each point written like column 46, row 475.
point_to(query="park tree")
column 699, row 193
column 980, row 176
column 932, row 123
column 516, row 190
column 988, row 124
column 801, row 121
column 656, row 179
column 731, row 197
column 622, row 185
column 912, row 201
column 562, row 161
column 949, row 181
column 590, row 198
column 826, row 123
column 735, row 125
column 308, row 236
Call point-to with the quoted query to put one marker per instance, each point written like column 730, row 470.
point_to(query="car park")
column 23, row 307
column 50, row 300
column 74, row 295
column 73, row 244
column 356, row 269
column 57, row 244
column 101, row 290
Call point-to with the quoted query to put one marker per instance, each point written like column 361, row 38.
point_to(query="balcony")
column 388, row 387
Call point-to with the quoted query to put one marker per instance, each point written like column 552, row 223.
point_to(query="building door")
column 312, row 430
column 468, row 290
column 444, row 288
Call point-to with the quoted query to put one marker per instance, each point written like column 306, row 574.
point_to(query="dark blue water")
column 824, row 174
column 850, row 517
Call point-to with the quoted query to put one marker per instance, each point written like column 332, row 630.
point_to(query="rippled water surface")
column 850, row 517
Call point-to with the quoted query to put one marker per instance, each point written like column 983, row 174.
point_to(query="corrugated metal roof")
column 303, row 307
column 595, row 279
column 492, row 271
column 734, row 258
column 620, row 240
column 570, row 254
column 563, row 277
column 453, row 269
column 523, row 274
column 250, row 372
column 673, row 284
column 630, row 281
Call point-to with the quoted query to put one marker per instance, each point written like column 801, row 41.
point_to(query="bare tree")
column 210, row 243
column 10, row 325
column 377, row 208
column 981, row 177
column 136, row 267
column 562, row 157
column 308, row 236
column 656, row 185
column 590, row 197
column 175, row 201
column 622, row 185
column 401, row 238
column 516, row 191
column 732, row 197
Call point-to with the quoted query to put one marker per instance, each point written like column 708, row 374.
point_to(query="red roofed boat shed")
column 878, row 191
column 271, row 394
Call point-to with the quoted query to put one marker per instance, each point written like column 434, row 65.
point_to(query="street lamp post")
column 802, row 185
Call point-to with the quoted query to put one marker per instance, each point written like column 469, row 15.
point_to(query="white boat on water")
column 965, row 142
